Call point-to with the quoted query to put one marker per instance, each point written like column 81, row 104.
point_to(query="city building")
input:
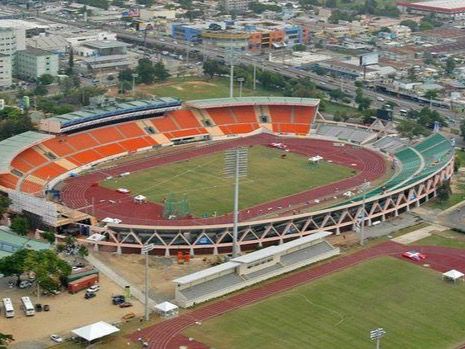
column 31, row 63
column 445, row 9
column 8, row 42
column 226, row 39
column 5, row 71
column 236, row 6
column 103, row 56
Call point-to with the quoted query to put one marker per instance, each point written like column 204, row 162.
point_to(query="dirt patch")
column 67, row 312
column 161, row 271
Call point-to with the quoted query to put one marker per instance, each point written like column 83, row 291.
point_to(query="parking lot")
column 66, row 313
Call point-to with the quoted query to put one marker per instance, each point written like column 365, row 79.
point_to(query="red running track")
column 83, row 191
column 167, row 334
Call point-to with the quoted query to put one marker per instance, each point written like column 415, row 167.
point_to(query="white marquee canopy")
column 95, row 331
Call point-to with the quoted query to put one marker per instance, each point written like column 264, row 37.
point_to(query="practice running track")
column 83, row 191
column 167, row 334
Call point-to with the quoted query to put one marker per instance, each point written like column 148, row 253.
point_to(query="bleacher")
column 252, row 268
column 33, row 159
column 389, row 144
column 415, row 163
column 345, row 133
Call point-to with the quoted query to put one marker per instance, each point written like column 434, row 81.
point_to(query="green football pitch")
column 201, row 180
column 416, row 308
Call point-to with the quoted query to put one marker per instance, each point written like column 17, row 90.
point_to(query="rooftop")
column 11, row 242
column 117, row 107
column 221, row 102
column 12, row 146
column 438, row 4
column 34, row 51
column 103, row 44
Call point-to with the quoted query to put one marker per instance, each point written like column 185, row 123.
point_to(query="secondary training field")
column 334, row 305
column 202, row 182
column 414, row 305
column 87, row 191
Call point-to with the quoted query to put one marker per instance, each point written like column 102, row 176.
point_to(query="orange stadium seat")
column 135, row 144
column 110, row 149
column 304, row 115
column 31, row 187
column 240, row 128
column 184, row 133
column 184, row 118
column 221, row 116
column 130, row 130
column 85, row 157
column 8, row 180
column 280, row 114
column 245, row 114
column 106, row 135
column 32, row 157
column 164, row 124
column 49, row 171
column 20, row 165
column 291, row 128
column 59, row 146
column 81, row 141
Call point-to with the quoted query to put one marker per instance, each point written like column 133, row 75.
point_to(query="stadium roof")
column 11, row 147
column 91, row 113
column 10, row 242
column 238, row 101
column 448, row 6
column 249, row 258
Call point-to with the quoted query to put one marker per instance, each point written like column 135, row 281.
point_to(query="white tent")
column 453, row 275
column 315, row 159
column 140, row 199
column 95, row 331
column 166, row 309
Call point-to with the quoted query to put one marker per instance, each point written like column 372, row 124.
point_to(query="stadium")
column 151, row 171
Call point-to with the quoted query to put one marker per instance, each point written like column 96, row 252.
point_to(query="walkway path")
column 418, row 234
column 167, row 334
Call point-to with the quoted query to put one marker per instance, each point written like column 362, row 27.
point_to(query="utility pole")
column 145, row 250
column 241, row 81
column 254, row 75
column 134, row 77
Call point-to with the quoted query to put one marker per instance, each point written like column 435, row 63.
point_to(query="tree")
column 5, row 202
column 5, row 339
column 83, row 251
column 444, row 191
column 336, row 94
column 299, row 47
column 70, row 61
column 20, row 225
column 411, row 24
column 49, row 236
column 40, row 90
column 119, row 3
column 431, row 94
column 161, row 73
column 411, row 129
column 462, row 129
column 362, row 101
column 46, row 79
column 426, row 25
column 331, row 3
column 146, row 71
column 450, row 65
column 212, row 68
column 125, row 75
column 147, row 3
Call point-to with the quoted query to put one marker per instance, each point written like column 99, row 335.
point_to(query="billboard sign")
column 369, row 59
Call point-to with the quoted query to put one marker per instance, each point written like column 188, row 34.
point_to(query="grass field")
column 188, row 89
column 202, row 181
column 447, row 238
column 414, row 306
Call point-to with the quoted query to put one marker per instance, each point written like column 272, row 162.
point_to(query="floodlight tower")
column 231, row 57
column 235, row 166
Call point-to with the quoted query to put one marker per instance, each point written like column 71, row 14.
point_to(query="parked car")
column 414, row 255
column 93, row 288
column 25, row 284
column 118, row 299
column 89, row 295
column 56, row 338
column 125, row 305
column 46, row 307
